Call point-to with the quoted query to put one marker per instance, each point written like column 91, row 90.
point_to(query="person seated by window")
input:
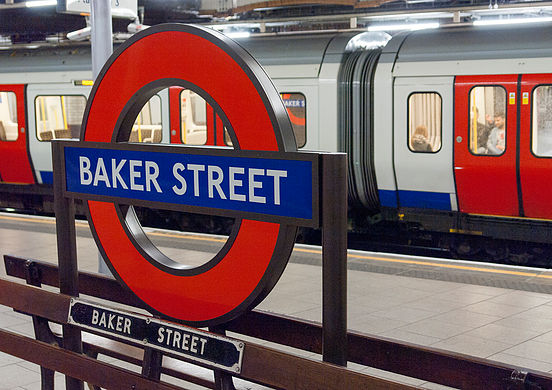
column 419, row 140
column 483, row 131
column 497, row 139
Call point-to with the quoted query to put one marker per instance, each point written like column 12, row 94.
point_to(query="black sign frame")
column 200, row 346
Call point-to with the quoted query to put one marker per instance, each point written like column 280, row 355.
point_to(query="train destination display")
column 203, row 347
column 227, row 181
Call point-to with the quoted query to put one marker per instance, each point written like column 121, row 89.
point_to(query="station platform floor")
column 497, row 312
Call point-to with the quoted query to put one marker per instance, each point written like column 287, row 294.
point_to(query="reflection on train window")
column 296, row 107
column 542, row 121
column 487, row 125
column 424, row 122
column 59, row 116
column 227, row 140
column 193, row 118
column 147, row 126
column 8, row 117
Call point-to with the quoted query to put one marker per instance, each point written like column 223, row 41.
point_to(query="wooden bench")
column 447, row 368
column 262, row 365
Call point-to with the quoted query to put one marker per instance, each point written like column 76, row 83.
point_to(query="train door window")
column 8, row 117
column 147, row 126
column 295, row 104
column 193, row 117
column 59, row 116
column 487, row 124
column 424, row 122
column 541, row 137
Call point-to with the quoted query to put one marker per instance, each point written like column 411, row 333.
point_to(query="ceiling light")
column 237, row 34
column 396, row 27
column 495, row 22
column 40, row 3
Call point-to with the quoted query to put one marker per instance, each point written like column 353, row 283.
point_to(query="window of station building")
column 541, row 137
column 59, row 116
column 424, row 122
column 296, row 106
column 487, row 121
column 8, row 117
column 147, row 127
column 193, row 118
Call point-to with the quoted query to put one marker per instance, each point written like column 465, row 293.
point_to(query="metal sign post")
column 334, row 258
column 67, row 258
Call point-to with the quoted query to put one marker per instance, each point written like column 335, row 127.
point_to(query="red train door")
column 536, row 145
column 485, row 132
column 16, row 165
column 174, row 104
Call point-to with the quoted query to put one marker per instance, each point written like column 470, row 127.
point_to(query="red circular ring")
column 249, row 269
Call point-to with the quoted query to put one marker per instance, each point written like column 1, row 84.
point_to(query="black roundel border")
column 248, row 266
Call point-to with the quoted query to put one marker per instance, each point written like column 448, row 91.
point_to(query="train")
column 448, row 131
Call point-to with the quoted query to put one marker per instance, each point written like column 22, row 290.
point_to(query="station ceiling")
column 21, row 23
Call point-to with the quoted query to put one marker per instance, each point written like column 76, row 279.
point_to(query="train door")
column 422, row 142
column 16, row 166
column 486, row 144
column 536, row 145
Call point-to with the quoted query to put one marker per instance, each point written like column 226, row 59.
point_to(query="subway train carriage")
column 448, row 131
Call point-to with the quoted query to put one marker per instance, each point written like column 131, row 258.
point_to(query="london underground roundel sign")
column 218, row 69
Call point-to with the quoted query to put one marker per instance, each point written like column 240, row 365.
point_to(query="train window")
column 59, row 116
column 8, row 117
column 541, row 142
column 424, row 122
column 296, row 107
column 487, row 125
column 147, row 126
column 193, row 118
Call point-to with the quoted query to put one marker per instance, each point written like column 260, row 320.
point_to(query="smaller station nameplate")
column 204, row 347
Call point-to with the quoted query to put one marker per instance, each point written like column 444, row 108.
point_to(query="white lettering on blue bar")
column 260, row 185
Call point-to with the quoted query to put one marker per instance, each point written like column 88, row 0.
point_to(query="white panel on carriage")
column 471, row 67
column 383, row 122
column 293, row 56
column 45, row 65
column 469, row 50
column 423, row 141
column 383, row 134
column 479, row 43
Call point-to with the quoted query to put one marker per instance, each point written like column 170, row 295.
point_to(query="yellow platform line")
column 319, row 252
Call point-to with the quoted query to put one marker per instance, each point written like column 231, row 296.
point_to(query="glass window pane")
column 147, row 126
column 193, row 118
column 424, row 122
column 8, row 117
column 296, row 107
column 542, row 121
column 487, row 122
column 227, row 139
column 59, row 116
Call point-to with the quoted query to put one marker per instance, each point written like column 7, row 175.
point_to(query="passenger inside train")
column 496, row 143
column 8, row 117
column 487, row 102
column 419, row 140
